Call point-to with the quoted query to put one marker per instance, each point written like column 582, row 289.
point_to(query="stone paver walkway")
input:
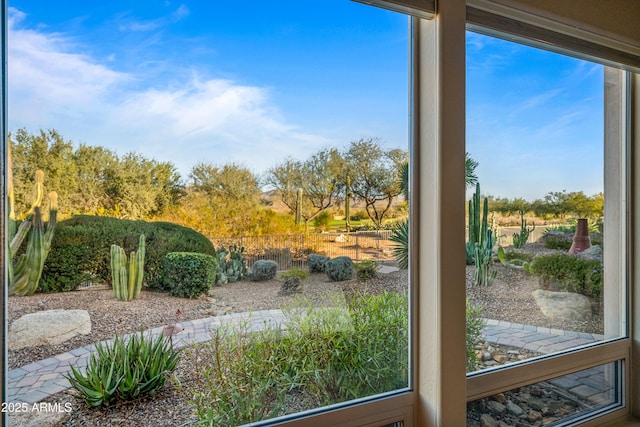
column 33, row 382
column 535, row 338
column 36, row 381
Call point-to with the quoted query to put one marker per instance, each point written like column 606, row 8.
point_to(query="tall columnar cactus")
column 519, row 239
column 478, row 224
column 484, row 276
column 127, row 280
column 25, row 271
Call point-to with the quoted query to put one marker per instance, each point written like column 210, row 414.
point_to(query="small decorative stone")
column 500, row 358
column 496, row 407
column 487, row 420
column 534, row 416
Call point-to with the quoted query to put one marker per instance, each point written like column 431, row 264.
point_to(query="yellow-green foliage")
column 302, row 274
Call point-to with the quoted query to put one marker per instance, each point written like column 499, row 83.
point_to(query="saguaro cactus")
column 25, row 274
column 127, row 282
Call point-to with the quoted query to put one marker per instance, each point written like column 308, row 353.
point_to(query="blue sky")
column 254, row 82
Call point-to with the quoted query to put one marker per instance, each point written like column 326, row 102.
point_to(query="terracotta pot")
column 581, row 240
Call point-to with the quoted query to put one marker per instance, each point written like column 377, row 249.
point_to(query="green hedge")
column 575, row 273
column 189, row 275
column 80, row 250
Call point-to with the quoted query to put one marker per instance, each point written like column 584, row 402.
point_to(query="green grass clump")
column 325, row 355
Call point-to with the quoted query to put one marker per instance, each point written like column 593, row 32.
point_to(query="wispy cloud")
column 53, row 85
column 128, row 23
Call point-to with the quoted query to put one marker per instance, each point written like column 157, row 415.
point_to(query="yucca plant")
column 400, row 232
column 125, row 369
column 400, row 236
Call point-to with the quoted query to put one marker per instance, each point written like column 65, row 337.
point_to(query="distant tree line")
column 217, row 200
column 558, row 204
column 92, row 180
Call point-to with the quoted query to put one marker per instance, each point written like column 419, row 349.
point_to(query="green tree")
column 92, row 180
column 49, row 152
column 319, row 177
column 508, row 207
column 92, row 164
column 139, row 188
column 232, row 195
column 230, row 182
column 374, row 173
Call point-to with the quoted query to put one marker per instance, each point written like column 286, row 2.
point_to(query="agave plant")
column 125, row 369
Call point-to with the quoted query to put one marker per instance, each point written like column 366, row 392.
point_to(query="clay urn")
column 581, row 240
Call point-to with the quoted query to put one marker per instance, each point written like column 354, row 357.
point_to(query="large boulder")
column 563, row 306
column 593, row 252
column 48, row 327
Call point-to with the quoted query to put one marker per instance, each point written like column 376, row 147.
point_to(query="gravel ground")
column 152, row 309
column 509, row 298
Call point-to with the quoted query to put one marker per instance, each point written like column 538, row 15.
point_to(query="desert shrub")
column 359, row 215
column 366, row 269
column 339, row 269
column 81, row 249
column 574, row 273
column 125, row 369
column 263, row 269
column 517, row 258
column 71, row 260
column 322, row 222
column 557, row 240
column 295, row 272
column 475, row 324
column 189, row 275
column 561, row 236
column 317, row 263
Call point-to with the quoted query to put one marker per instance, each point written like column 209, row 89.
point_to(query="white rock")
column 563, row 306
column 48, row 327
column 35, row 418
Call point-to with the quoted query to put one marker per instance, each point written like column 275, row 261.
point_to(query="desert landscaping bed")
column 508, row 298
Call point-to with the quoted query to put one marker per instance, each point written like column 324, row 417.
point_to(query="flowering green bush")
column 575, row 273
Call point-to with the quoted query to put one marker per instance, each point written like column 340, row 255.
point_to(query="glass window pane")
column 545, row 202
column 253, row 152
column 556, row 400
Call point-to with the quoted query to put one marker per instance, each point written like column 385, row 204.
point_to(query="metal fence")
column 291, row 250
column 505, row 234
